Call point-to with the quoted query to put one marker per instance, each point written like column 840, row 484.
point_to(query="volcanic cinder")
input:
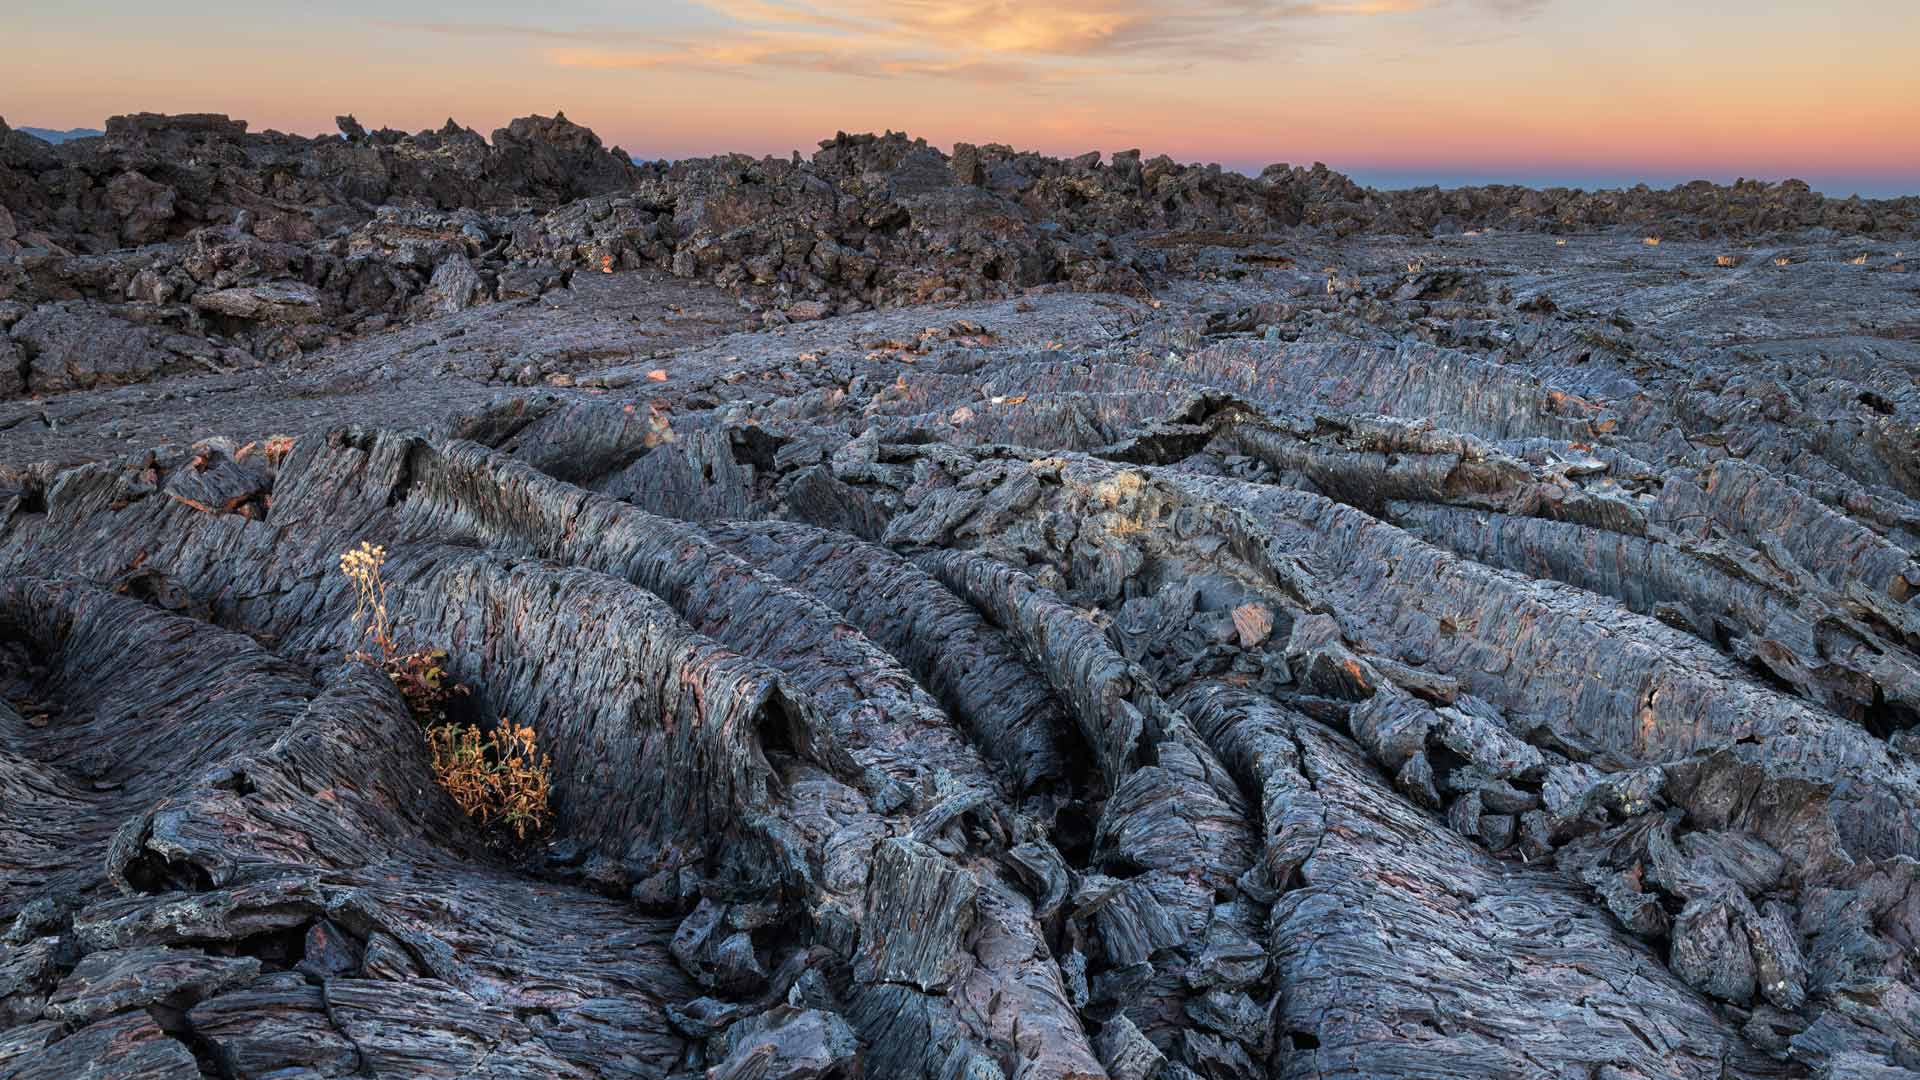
column 991, row 616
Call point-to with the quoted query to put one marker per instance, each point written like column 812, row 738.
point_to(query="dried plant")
column 495, row 778
column 362, row 567
column 421, row 676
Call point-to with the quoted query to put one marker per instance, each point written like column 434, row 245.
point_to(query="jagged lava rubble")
column 991, row 615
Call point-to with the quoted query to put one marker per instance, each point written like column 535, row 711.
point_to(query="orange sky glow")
column 1394, row 91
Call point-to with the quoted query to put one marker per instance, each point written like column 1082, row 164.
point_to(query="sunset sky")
column 1396, row 92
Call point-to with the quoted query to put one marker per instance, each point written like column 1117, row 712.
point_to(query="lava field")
column 990, row 617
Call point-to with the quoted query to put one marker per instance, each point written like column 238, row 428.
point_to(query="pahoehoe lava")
column 991, row 616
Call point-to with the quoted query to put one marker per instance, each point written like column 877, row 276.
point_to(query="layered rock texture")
column 990, row 616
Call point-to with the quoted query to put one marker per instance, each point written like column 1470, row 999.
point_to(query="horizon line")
column 1585, row 177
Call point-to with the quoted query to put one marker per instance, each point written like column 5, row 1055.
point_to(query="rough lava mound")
column 991, row 616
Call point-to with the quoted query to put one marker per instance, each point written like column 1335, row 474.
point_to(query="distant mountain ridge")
column 52, row 136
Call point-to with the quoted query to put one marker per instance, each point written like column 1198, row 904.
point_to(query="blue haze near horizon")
column 1835, row 187
column 1405, row 179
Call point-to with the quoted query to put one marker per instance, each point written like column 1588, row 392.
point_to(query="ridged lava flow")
column 1505, row 668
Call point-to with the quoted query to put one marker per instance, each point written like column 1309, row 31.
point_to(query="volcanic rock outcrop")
column 1294, row 650
column 215, row 248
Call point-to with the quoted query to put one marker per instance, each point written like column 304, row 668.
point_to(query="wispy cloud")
column 747, row 58
column 772, row 11
column 1362, row 7
column 995, row 41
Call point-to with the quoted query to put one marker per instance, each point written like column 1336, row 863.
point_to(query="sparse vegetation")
column 499, row 778
column 420, row 674
column 362, row 567
column 422, row 678
column 496, row 777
